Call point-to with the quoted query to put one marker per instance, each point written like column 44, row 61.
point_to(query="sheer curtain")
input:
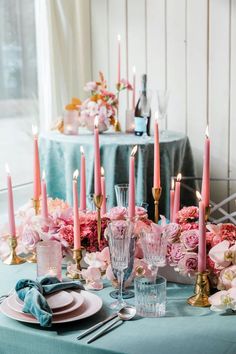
column 63, row 54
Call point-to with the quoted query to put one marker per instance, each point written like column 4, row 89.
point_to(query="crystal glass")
column 119, row 234
column 122, row 194
column 154, row 247
column 49, row 258
column 150, row 296
column 163, row 100
column 71, row 122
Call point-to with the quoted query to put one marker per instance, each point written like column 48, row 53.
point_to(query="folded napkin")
column 32, row 293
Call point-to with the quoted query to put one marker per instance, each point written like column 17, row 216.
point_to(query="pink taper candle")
column 172, row 197
column 103, row 182
column 37, row 183
column 77, row 242
column 177, row 198
column 202, row 236
column 44, row 209
column 82, row 180
column 131, row 209
column 11, row 214
column 134, row 89
column 156, row 174
column 206, row 172
column 119, row 61
column 97, row 164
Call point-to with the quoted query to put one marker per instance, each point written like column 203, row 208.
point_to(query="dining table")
column 60, row 157
column 183, row 330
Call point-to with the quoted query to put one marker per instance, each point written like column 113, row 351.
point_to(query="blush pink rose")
column 187, row 214
column 189, row 226
column 29, row 238
column 117, row 213
column 141, row 212
column 176, row 253
column 188, row 264
column 190, row 239
column 172, row 232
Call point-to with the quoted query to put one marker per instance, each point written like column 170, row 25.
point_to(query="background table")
column 184, row 330
column 60, row 156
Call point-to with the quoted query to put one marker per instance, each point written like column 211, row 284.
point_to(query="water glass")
column 122, row 194
column 49, row 258
column 150, row 296
column 71, row 122
column 163, row 100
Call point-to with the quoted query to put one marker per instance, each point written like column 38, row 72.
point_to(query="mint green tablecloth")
column 60, row 156
column 184, row 330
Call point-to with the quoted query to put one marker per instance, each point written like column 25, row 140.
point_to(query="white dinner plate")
column 78, row 300
column 56, row 300
column 92, row 304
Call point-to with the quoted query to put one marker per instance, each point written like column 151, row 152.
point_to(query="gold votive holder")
column 156, row 193
column 117, row 126
column 13, row 259
column 77, row 257
column 36, row 205
column 98, row 203
column 201, row 290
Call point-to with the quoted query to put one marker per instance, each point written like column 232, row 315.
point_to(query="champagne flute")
column 163, row 100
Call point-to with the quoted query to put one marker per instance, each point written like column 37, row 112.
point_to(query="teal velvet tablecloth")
column 184, row 330
column 60, row 156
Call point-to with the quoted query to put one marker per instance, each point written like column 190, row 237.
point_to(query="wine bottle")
column 142, row 113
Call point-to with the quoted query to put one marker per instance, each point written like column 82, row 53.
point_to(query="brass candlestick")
column 202, row 291
column 98, row 203
column 77, row 256
column 156, row 193
column 208, row 212
column 13, row 258
column 36, row 205
column 117, row 126
column 32, row 258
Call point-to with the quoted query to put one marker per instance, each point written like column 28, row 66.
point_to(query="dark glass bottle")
column 142, row 113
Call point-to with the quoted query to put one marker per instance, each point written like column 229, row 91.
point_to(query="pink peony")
column 190, row 239
column 172, row 232
column 189, row 226
column 29, row 238
column 188, row 263
column 117, row 213
column 187, row 214
column 67, row 233
column 92, row 276
column 141, row 212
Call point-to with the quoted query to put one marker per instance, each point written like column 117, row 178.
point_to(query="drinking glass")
column 122, row 194
column 150, row 296
column 71, row 122
column 119, row 235
column 154, row 247
column 49, row 258
column 163, row 100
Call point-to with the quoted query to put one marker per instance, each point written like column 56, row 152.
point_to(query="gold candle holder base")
column 117, row 126
column 207, row 212
column 36, row 205
column 156, row 193
column 77, row 256
column 202, row 291
column 98, row 203
column 32, row 258
column 13, row 259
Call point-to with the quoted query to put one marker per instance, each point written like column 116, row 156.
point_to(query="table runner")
column 184, row 330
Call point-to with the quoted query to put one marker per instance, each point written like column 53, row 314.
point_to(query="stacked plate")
column 67, row 306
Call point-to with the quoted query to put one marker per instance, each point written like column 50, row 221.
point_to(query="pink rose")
column 187, row 214
column 117, row 213
column 190, row 239
column 141, row 212
column 176, row 253
column 227, row 278
column 188, row 263
column 30, row 238
column 67, row 233
column 189, row 226
column 172, row 232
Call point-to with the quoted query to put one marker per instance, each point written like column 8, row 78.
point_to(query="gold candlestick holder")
column 13, row 258
column 207, row 212
column 117, row 126
column 98, row 203
column 77, row 256
column 201, row 290
column 156, row 193
column 36, row 205
column 32, row 258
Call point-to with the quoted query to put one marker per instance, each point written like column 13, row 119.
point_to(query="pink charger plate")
column 55, row 301
column 92, row 304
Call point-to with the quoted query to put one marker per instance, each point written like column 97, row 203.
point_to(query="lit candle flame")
column 172, row 183
column 179, row 177
column 7, row 168
column 35, row 130
column 43, row 175
column 118, row 37
column 102, row 172
column 134, row 69
column 75, row 174
column 207, row 132
column 96, row 122
column 156, row 115
column 134, row 150
column 199, row 197
column 82, row 150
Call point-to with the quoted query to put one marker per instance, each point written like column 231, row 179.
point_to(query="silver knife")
column 96, row 326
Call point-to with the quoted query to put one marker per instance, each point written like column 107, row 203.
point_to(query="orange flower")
column 74, row 105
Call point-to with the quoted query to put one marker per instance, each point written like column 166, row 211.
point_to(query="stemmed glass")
column 154, row 247
column 119, row 234
column 163, row 100
column 122, row 194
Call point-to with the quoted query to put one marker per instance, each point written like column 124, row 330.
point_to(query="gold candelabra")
column 201, row 290
column 156, row 193
column 208, row 212
column 36, row 205
column 77, row 256
column 98, row 203
column 13, row 258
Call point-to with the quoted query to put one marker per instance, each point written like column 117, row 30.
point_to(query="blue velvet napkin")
column 32, row 293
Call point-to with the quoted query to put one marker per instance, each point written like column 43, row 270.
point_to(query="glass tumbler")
column 122, row 195
column 49, row 259
column 150, row 296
